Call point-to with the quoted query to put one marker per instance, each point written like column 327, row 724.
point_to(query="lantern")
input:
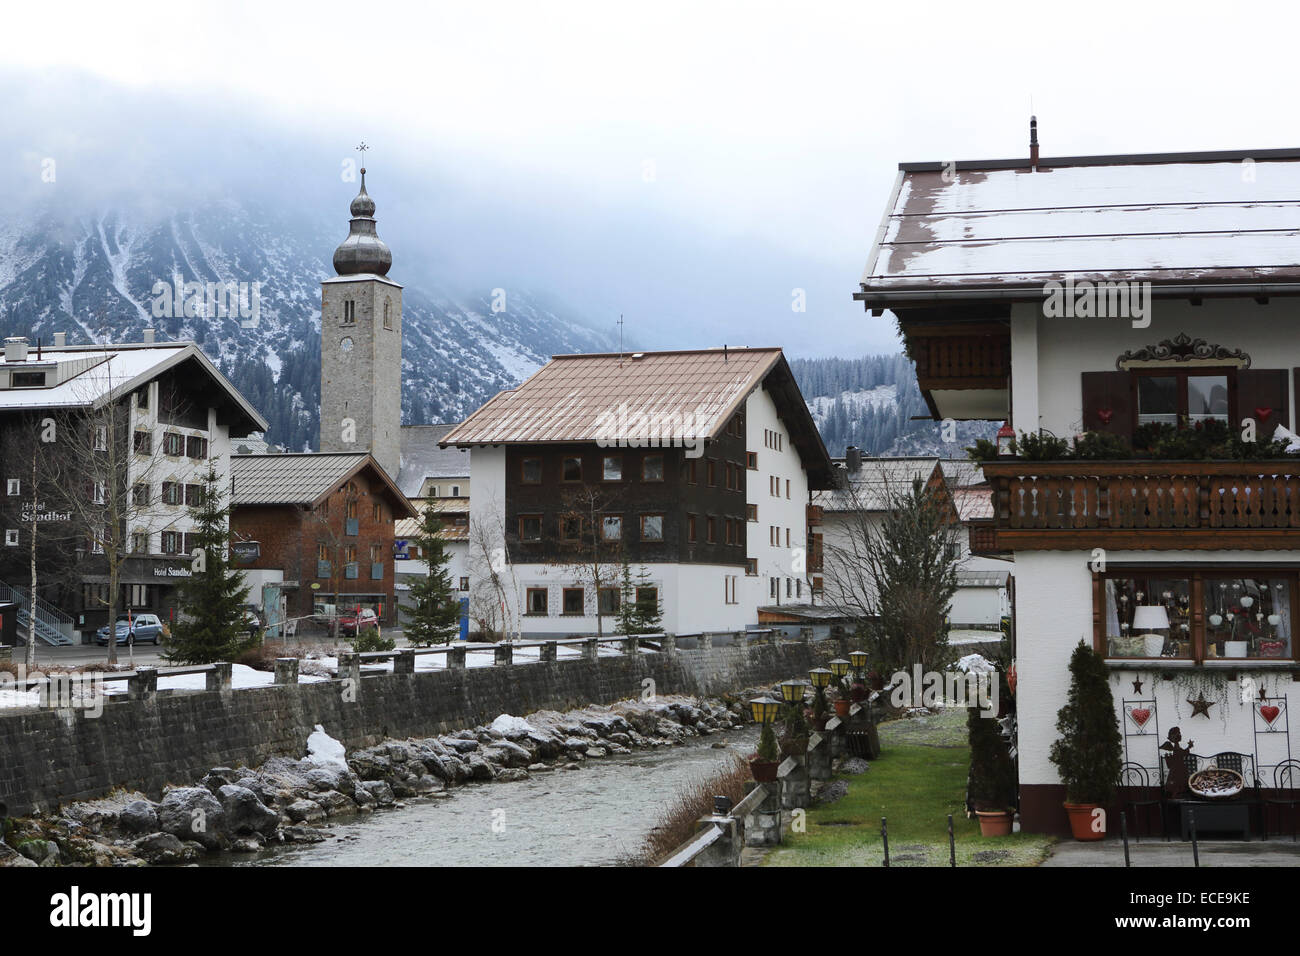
column 792, row 691
column 839, row 667
column 821, row 677
column 859, row 659
column 1006, row 441
column 764, row 709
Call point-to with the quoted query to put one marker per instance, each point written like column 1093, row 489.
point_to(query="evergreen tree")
column 436, row 616
column 212, row 601
column 648, row 616
column 625, row 621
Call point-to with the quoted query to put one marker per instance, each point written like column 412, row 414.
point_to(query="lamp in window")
column 1006, row 441
column 1149, row 618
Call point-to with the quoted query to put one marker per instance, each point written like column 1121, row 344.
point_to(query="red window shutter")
column 1262, row 395
column 1108, row 403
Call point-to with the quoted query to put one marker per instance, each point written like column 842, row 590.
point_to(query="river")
column 587, row 817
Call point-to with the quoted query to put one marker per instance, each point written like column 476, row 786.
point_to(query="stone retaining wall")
column 49, row 757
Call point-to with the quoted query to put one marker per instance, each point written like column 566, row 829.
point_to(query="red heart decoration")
column 1140, row 715
column 1105, row 414
column 1269, row 712
column 1263, row 413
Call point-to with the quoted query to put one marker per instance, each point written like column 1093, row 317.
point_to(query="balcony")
column 815, row 516
column 1145, row 505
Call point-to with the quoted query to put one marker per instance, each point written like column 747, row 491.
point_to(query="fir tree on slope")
column 435, row 619
column 210, row 626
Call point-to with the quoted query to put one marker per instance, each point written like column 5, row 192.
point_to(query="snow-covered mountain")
column 93, row 276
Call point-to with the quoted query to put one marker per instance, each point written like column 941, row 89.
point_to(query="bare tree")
column 330, row 524
column 589, row 546
column 495, row 588
column 895, row 572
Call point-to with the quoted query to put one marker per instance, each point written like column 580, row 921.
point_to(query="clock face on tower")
column 345, row 346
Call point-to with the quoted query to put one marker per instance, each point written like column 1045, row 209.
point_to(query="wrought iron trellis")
column 1141, row 719
column 1270, row 719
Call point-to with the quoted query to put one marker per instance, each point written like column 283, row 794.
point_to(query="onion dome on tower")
column 362, row 252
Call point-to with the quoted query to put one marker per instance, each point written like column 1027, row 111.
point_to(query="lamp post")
column 792, row 692
column 1006, row 441
column 764, row 766
column 820, row 677
column 859, row 659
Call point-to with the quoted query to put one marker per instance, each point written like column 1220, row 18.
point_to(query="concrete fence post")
column 706, row 641
column 404, row 663
column 550, row 652
column 456, row 658
column 143, row 684
column 819, row 756
column 839, row 736
column 590, row 649
column 503, row 654
column 631, row 645
column 763, row 825
column 668, row 644
column 795, row 786
column 218, row 678
column 286, row 670
column 725, row 850
column 350, row 667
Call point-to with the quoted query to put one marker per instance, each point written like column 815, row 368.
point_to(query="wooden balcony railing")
column 1146, row 505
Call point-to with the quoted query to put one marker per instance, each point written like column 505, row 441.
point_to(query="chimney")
column 1033, row 143
column 148, row 336
column 853, row 459
column 60, row 340
column 16, row 349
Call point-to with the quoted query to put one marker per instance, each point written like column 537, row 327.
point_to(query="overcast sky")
column 687, row 164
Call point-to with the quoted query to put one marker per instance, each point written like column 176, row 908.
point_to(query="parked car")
column 366, row 619
column 133, row 628
column 252, row 623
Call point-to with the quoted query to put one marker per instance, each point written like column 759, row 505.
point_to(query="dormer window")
column 27, row 379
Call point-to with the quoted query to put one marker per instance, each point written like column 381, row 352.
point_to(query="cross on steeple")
column 362, row 150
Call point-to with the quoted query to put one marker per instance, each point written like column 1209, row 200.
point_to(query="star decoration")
column 1137, row 686
column 1201, row 706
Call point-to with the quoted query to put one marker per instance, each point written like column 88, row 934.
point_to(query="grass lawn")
column 917, row 781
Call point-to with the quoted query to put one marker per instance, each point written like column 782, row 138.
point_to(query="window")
column 611, row 528
column 100, row 493
column 729, row 589
column 376, row 554
column 787, row 487
column 140, row 493
column 652, row 468
column 171, row 542
column 173, row 444
column 140, row 543
column 137, row 595
column 531, row 472
column 464, row 584
column 193, row 495
column 652, row 527
column 751, row 567
column 787, row 537
column 609, row 600
column 1248, row 616
column 691, row 475
column 751, row 460
column 142, row 398
column 455, row 491
column 196, row 447
column 772, row 589
column 376, row 512
column 611, row 468
column 571, row 469
column 574, row 601
column 536, row 600
column 1171, row 397
column 171, row 493
column 27, row 379
column 711, row 529
column 142, row 442
column 349, row 312
column 351, row 508
column 798, row 587
column 571, row 528
column 101, row 438
column 388, row 314
column 1147, row 616
column 190, row 542
column 788, row 587
column 751, row 512
column 690, row 528
column 711, row 473
column 11, row 537
column 648, row 598
column 530, row 527
column 322, row 551
column 14, row 486
column 952, row 551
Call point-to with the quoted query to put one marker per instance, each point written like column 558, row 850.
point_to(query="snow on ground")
column 507, row 724
column 975, row 664
column 323, row 750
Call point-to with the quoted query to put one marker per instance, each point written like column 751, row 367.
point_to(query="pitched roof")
column 305, row 479
column 670, row 396
column 422, row 457
column 111, row 371
column 872, row 486
column 995, row 229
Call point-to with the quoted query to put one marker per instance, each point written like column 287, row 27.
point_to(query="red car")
column 349, row 620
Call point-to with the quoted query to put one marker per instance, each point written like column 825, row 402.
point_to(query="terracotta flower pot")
column 994, row 822
column 842, row 707
column 763, row 771
column 1081, row 821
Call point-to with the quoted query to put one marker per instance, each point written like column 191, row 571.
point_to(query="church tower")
column 361, row 345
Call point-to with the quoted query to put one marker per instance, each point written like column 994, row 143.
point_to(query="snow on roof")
column 421, row 457
column 1155, row 218
column 878, row 479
